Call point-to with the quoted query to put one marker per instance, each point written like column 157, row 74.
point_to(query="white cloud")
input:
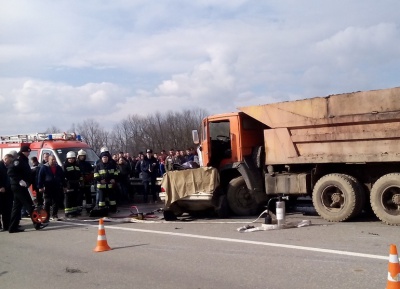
column 35, row 105
column 357, row 44
column 62, row 62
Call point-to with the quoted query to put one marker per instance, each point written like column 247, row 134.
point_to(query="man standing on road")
column 87, row 180
column 169, row 161
column 73, row 179
column 6, row 199
column 150, row 170
column 105, row 174
column 50, row 183
column 20, row 179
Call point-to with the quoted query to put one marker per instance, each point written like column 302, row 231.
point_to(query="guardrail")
column 139, row 182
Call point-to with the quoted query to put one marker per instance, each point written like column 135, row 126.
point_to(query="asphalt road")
column 198, row 253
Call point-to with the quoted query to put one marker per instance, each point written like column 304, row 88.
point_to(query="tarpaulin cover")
column 179, row 184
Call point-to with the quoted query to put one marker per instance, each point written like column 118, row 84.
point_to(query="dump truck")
column 342, row 151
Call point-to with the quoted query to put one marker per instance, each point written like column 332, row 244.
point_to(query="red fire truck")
column 57, row 144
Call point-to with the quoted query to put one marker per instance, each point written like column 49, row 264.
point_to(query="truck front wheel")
column 385, row 199
column 241, row 201
column 334, row 197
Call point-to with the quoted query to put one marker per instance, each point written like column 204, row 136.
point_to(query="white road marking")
column 312, row 249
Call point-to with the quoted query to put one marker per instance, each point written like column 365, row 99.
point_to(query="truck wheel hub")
column 336, row 198
column 396, row 199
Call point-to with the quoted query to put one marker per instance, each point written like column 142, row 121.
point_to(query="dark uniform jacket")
column 105, row 171
column 149, row 168
column 72, row 175
column 20, row 170
column 5, row 181
column 124, row 172
column 86, row 172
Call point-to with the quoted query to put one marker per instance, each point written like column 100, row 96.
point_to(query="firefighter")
column 105, row 174
column 20, row 179
column 87, row 175
column 73, row 179
column 107, row 152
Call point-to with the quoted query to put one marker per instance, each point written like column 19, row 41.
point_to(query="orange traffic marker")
column 393, row 269
column 101, row 239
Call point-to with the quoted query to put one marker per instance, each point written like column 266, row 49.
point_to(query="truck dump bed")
column 352, row 127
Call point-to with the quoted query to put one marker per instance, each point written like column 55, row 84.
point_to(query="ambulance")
column 56, row 144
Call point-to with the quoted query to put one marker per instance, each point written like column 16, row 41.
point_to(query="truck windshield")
column 220, row 142
column 91, row 156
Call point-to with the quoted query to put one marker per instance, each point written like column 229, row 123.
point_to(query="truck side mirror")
column 195, row 136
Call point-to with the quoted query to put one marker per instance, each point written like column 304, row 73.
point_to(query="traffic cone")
column 393, row 269
column 101, row 239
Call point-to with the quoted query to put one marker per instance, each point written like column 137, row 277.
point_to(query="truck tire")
column 240, row 200
column 169, row 215
column 334, row 198
column 257, row 156
column 222, row 210
column 361, row 198
column 385, row 199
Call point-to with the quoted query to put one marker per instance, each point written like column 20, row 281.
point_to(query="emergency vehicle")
column 56, row 144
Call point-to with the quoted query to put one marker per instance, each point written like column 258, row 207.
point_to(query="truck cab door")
column 219, row 149
column 205, row 143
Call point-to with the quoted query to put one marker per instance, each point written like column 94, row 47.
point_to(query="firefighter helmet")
column 81, row 153
column 104, row 149
column 71, row 155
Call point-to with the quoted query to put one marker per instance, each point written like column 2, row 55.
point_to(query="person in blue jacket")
column 51, row 182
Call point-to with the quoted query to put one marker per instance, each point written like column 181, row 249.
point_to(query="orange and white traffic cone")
column 101, row 239
column 393, row 269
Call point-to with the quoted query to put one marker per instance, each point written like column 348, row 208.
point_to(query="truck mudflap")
column 189, row 190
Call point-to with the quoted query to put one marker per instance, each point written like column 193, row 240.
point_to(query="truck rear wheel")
column 240, row 200
column 335, row 197
column 361, row 198
column 385, row 199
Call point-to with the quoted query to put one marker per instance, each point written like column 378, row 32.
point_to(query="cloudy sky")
column 65, row 61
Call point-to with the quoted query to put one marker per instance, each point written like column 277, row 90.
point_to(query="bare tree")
column 53, row 129
column 135, row 133
column 92, row 134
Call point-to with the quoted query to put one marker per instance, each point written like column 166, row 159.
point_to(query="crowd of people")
column 68, row 186
column 148, row 167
